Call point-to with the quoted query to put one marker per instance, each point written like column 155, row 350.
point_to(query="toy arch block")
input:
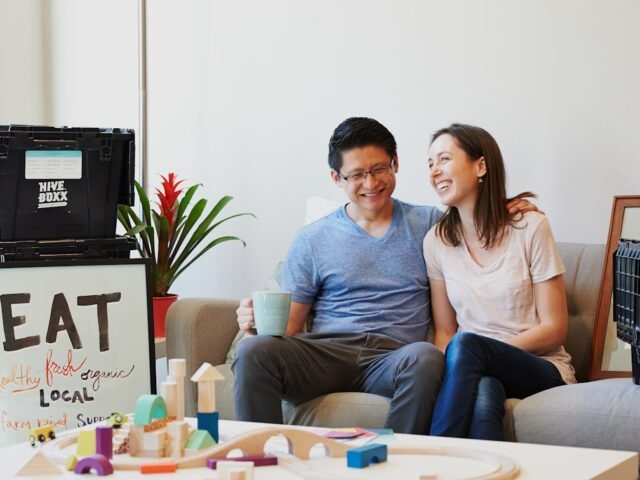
column 99, row 463
column 148, row 408
column 363, row 456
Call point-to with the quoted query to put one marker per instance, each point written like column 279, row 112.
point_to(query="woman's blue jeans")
column 480, row 373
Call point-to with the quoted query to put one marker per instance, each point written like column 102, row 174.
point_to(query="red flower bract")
column 168, row 196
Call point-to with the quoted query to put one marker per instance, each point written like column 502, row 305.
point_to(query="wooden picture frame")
column 608, row 354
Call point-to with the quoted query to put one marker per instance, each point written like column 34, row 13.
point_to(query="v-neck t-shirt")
column 497, row 300
column 359, row 283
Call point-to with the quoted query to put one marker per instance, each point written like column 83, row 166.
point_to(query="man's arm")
column 297, row 316
column 444, row 316
column 551, row 305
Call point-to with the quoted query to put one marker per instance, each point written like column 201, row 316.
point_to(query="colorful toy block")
column 104, row 441
column 363, row 456
column 99, row 463
column 71, row 462
column 158, row 468
column 199, row 439
column 209, row 423
column 86, row 443
column 257, row 460
column 148, row 408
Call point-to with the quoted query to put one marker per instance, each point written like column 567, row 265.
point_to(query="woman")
column 497, row 291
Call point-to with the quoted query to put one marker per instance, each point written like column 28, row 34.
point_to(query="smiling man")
column 360, row 273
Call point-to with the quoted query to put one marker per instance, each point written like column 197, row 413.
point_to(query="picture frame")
column 76, row 342
column 610, row 357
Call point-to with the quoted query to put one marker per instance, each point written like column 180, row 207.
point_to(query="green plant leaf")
column 200, row 232
column 192, row 218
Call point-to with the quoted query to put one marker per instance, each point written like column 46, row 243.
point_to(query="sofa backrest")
column 582, row 280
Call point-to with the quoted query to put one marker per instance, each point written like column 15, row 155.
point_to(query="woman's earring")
column 480, row 179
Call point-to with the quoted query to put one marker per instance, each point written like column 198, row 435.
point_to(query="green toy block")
column 199, row 439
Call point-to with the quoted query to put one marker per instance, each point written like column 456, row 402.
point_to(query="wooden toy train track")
column 300, row 443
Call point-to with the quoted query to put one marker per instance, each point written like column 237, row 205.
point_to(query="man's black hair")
column 359, row 132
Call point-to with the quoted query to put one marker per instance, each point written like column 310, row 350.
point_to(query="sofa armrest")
column 200, row 330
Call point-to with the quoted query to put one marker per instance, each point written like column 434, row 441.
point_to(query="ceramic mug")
column 271, row 312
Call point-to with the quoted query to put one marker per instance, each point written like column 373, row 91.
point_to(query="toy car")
column 116, row 420
column 41, row 434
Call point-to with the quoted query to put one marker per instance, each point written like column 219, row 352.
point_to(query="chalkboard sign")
column 77, row 343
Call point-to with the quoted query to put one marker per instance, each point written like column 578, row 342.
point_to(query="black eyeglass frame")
column 364, row 175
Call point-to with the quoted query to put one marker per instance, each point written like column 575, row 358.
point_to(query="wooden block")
column 177, row 367
column 169, row 391
column 363, row 456
column 158, row 468
column 38, row 464
column 209, row 422
column 71, row 462
column 200, row 439
column 237, row 475
column 104, row 441
column 257, row 460
column 207, row 373
column 136, row 438
column 152, row 453
column 225, row 469
column 86, row 443
column 177, row 435
column 206, row 397
column 99, row 463
column 177, row 372
column 154, row 440
column 149, row 408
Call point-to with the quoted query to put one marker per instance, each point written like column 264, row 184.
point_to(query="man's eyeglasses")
column 358, row 178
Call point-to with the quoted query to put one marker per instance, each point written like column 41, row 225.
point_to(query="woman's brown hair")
column 490, row 215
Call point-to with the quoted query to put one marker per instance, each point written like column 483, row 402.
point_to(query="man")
column 361, row 273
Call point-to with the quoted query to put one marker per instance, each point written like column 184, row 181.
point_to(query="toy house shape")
column 205, row 377
column 38, row 464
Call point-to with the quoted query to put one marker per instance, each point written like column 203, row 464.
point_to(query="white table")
column 536, row 461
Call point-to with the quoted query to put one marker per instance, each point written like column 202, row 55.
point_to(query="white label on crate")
column 53, row 164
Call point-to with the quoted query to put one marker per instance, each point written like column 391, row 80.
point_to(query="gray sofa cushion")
column 601, row 414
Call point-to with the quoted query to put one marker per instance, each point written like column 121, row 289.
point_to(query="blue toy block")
column 209, row 422
column 363, row 456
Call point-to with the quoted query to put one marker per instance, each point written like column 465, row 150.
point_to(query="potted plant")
column 173, row 236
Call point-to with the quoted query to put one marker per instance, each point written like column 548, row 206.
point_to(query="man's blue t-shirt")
column 359, row 283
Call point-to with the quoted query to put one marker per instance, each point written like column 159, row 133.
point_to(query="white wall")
column 23, row 70
column 244, row 94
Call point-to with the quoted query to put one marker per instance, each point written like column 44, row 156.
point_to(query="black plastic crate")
column 80, row 249
column 626, row 298
column 62, row 183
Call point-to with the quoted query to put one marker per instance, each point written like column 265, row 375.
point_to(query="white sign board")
column 76, row 343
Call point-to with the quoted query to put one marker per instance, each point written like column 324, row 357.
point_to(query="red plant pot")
column 160, row 307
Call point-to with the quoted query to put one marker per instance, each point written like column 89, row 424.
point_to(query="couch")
column 601, row 414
